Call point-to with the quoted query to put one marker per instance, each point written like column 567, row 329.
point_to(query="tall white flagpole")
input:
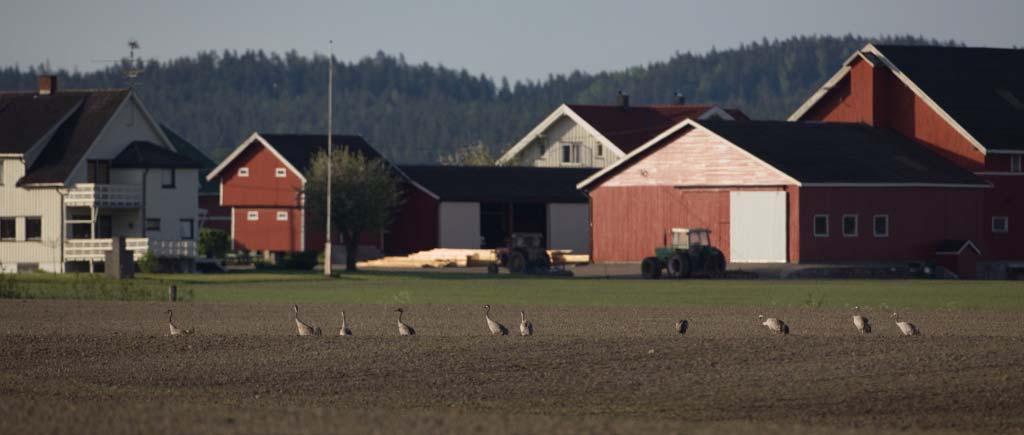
column 330, row 136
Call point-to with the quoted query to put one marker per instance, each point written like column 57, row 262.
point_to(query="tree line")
column 423, row 113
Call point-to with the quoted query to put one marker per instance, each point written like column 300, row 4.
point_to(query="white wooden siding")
column 19, row 203
column 569, row 227
column 757, row 227
column 459, row 225
column 546, row 151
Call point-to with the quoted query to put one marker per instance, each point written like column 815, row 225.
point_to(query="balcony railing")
column 104, row 195
column 96, row 249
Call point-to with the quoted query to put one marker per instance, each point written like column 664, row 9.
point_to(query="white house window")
column 167, row 178
column 600, row 150
column 821, row 225
column 1000, row 224
column 6, row 228
column 1, row 172
column 153, row 224
column 279, row 172
column 33, row 228
column 570, row 153
column 243, row 171
column 252, row 215
column 1015, row 163
column 282, row 216
column 849, row 225
column 880, row 225
column 186, row 229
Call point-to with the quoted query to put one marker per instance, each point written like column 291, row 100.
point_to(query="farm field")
column 108, row 367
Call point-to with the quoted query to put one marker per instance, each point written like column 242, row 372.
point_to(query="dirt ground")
column 108, row 367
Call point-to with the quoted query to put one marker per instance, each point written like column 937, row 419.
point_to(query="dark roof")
column 299, row 149
column 74, row 137
column 500, row 183
column 142, row 154
column 815, row 152
column 25, row 117
column 635, row 125
column 981, row 88
column 206, row 164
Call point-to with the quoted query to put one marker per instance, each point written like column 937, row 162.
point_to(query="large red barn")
column 786, row 192
column 966, row 104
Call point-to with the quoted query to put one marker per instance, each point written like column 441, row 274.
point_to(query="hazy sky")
column 514, row 38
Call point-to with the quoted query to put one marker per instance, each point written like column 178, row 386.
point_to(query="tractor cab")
column 689, row 252
column 684, row 238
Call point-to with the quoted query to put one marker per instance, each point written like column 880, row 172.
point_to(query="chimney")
column 679, row 98
column 47, row 85
column 623, row 100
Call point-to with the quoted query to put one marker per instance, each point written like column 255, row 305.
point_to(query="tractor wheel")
column 679, row 266
column 516, row 262
column 650, row 268
column 716, row 264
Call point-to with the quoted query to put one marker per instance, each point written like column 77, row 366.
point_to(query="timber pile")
column 449, row 257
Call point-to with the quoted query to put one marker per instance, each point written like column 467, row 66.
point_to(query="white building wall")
column 171, row 205
column 127, row 125
column 459, row 225
column 20, row 203
column 569, row 227
column 546, row 150
column 757, row 227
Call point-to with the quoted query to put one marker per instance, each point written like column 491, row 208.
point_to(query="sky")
column 518, row 39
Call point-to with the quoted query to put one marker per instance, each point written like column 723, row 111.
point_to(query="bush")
column 300, row 260
column 148, row 263
column 213, row 243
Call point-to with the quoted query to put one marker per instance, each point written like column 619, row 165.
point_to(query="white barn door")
column 757, row 227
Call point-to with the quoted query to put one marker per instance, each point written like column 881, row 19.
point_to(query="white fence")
column 96, row 249
column 104, row 195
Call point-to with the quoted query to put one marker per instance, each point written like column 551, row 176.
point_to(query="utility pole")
column 330, row 139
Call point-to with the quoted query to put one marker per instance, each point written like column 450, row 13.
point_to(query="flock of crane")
column 775, row 325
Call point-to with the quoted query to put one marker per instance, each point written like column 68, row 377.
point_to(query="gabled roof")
column 499, row 183
column 623, row 129
column 26, row 117
column 297, row 150
column 979, row 91
column 825, row 154
column 142, row 154
column 75, row 135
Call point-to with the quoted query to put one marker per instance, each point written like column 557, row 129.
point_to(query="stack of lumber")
column 450, row 257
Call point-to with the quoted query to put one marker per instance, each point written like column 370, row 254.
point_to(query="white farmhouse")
column 80, row 166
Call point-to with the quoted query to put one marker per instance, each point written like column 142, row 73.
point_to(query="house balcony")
column 96, row 249
column 104, row 195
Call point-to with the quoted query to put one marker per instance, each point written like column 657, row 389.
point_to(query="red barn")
column 785, row 192
column 261, row 182
column 967, row 104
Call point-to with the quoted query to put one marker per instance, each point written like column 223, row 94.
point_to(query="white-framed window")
column 282, row 216
column 849, row 225
column 186, row 229
column 570, row 152
column 33, row 228
column 821, row 225
column 600, row 150
column 1000, row 224
column 880, row 225
column 7, row 231
column 252, row 215
column 243, row 171
column 280, row 172
column 1015, row 163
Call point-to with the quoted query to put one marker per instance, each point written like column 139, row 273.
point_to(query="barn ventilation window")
column 849, row 225
column 821, row 225
column 881, row 225
column 279, row 172
column 1015, row 163
column 252, row 215
column 282, row 216
column 243, row 172
column 1000, row 224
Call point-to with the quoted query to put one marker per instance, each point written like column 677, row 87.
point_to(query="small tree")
column 213, row 243
column 473, row 155
column 364, row 197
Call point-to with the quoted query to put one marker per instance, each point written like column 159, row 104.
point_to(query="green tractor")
column 690, row 254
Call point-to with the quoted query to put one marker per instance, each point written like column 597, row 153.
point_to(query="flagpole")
column 330, row 136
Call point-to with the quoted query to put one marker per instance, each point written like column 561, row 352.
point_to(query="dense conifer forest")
column 423, row 113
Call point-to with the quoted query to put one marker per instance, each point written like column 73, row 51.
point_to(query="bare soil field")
column 109, row 367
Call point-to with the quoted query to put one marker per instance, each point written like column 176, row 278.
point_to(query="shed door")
column 757, row 227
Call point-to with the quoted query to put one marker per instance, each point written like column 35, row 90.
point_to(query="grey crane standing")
column 681, row 326
column 403, row 328
column 304, row 328
column 495, row 327
column 174, row 329
column 906, row 328
column 862, row 323
column 344, row 331
column 775, row 325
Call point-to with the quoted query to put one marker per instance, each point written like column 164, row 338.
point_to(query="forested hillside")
column 419, row 113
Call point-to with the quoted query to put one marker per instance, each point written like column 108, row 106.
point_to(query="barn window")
column 1015, row 163
column 1000, row 224
column 282, row 216
column 243, row 172
column 849, row 225
column 252, row 215
column 33, row 228
column 570, row 153
column 881, row 225
column 279, row 172
column 821, row 225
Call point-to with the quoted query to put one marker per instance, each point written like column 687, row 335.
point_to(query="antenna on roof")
column 131, row 73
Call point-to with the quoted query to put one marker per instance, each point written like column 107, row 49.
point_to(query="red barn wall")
column 1004, row 200
column 416, row 224
column 261, row 187
column 267, row 233
column 919, row 218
